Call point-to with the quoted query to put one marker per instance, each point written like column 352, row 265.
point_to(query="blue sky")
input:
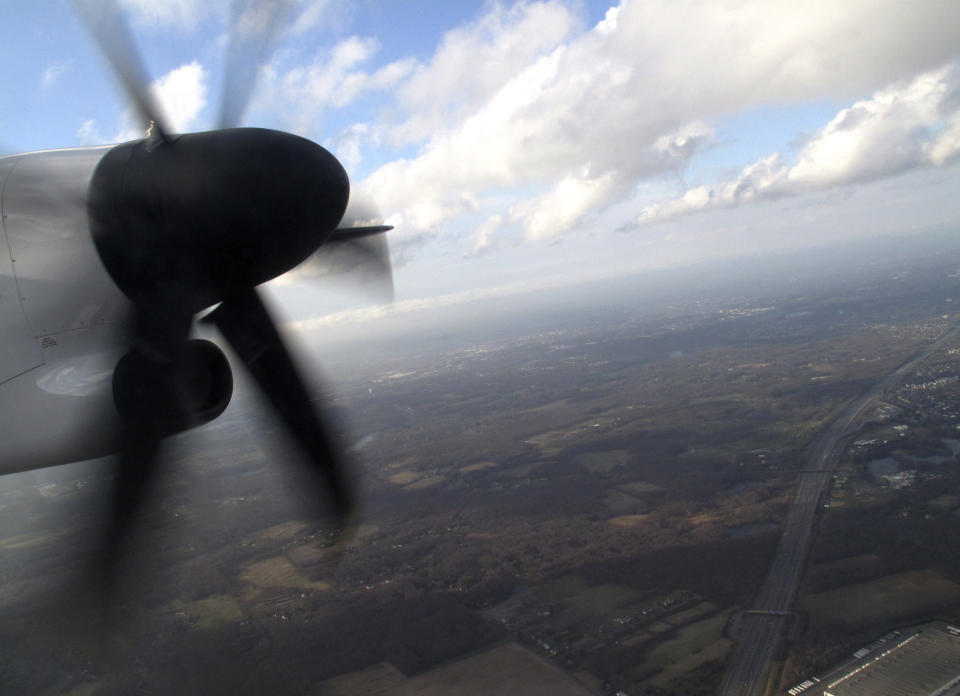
column 528, row 144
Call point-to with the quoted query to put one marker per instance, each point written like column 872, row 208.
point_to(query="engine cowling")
column 172, row 397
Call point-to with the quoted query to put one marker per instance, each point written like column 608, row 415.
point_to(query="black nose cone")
column 208, row 214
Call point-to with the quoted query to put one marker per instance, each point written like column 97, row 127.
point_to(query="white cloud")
column 681, row 144
column 564, row 206
column 883, row 135
column 311, row 14
column 484, row 237
column 180, row 96
column 88, row 134
column 523, row 98
column 333, row 79
column 906, row 125
column 53, row 72
column 763, row 178
column 472, row 63
column 347, row 144
column 943, row 148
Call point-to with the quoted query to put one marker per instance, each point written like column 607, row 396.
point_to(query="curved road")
column 761, row 634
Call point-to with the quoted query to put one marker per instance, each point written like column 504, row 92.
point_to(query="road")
column 761, row 634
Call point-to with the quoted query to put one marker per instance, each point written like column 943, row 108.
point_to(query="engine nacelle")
column 173, row 397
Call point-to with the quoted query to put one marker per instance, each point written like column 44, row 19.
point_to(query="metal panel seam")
column 13, row 261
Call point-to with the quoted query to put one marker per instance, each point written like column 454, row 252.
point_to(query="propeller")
column 254, row 27
column 356, row 257
column 187, row 222
column 111, row 33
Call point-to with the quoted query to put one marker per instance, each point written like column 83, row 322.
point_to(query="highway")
column 762, row 634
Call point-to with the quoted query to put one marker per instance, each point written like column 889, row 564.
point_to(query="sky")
column 525, row 145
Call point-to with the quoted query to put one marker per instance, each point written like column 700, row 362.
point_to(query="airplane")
column 111, row 253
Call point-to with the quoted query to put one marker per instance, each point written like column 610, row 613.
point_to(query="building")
column 924, row 661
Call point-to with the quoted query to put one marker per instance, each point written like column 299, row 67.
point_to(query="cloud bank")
column 525, row 98
column 907, row 125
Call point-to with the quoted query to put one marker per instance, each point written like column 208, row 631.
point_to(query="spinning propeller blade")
column 109, row 29
column 186, row 223
column 356, row 257
column 254, row 27
column 248, row 327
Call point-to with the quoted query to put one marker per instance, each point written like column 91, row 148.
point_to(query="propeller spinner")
column 205, row 215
